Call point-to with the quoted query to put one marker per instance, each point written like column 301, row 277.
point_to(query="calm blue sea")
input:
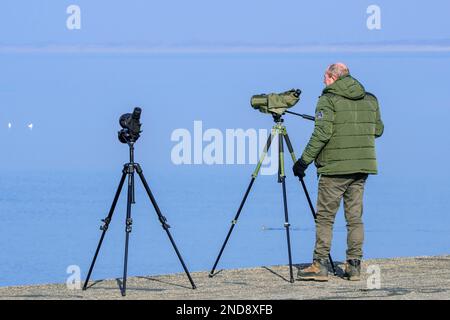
column 52, row 222
column 58, row 180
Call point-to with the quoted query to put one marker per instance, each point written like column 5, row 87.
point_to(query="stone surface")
column 401, row 278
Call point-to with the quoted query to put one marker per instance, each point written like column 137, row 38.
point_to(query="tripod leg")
column 106, row 221
column 163, row 221
column 233, row 223
column 133, row 200
column 305, row 191
column 128, row 226
column 282, row 179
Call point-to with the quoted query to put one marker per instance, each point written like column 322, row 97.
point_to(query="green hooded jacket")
column 346, row 124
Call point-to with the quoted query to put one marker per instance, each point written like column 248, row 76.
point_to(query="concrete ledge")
column 401, row 278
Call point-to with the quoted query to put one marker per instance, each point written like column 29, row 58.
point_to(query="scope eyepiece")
column 297, row 93
column 136, row 113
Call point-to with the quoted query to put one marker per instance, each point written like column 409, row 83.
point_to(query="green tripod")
column 279, row 130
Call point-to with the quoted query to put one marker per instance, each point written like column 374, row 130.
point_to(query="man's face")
column 327, row 79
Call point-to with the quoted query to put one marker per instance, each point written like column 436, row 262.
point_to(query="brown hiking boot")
column 317, row 271
column 353, row 270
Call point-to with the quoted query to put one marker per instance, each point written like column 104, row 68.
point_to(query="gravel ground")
column 401, row 278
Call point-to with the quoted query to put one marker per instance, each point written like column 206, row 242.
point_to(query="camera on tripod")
column 276, row 103
column 130, row 133
column 130, row 122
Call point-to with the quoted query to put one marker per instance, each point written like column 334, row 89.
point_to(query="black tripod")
column 128, row 170
column 277, row 130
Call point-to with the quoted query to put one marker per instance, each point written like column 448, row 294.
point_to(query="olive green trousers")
column 331, row 190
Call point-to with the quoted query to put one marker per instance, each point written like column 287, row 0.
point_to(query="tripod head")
column 304, row 116
column 278, row 118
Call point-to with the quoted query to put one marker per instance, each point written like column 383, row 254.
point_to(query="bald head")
column 334, row 72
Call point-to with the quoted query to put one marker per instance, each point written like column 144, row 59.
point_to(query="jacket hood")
column 347, row 87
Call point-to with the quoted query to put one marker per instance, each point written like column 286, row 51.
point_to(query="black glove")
column 299, row 168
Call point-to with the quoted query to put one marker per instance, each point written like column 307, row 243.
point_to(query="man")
column 347, row 121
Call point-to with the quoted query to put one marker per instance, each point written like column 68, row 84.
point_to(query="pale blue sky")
column 74, row 99
column 229, row 22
